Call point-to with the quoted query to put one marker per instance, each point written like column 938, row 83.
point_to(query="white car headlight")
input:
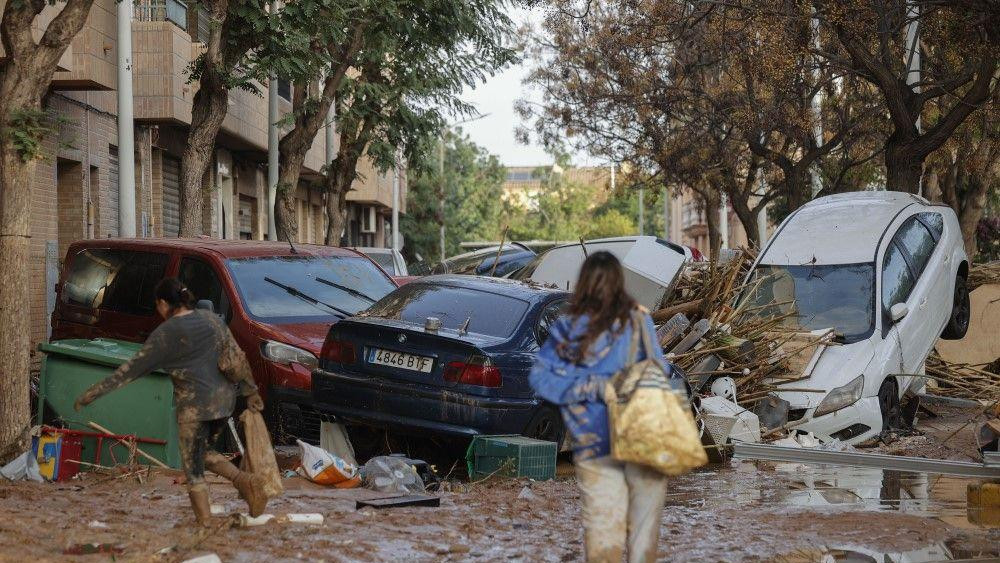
column 281, row 353
column 841, row 397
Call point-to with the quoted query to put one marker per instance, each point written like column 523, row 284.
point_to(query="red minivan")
column 278, row 300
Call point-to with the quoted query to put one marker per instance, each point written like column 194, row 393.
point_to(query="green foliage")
column 610, row 223
column 27, row 129
column 473, row 181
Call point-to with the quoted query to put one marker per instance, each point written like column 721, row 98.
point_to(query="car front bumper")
column 418, row 409
column 852, row 424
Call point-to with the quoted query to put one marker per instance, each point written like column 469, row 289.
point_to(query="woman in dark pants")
column 206, row 366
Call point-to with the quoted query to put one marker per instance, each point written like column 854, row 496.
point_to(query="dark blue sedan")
column 444, row 354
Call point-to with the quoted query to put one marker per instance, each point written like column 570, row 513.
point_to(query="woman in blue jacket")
column 622, row 502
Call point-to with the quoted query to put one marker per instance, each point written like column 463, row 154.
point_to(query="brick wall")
column 63, row 197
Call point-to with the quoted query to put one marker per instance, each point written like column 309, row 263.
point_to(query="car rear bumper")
column 418, row 408
column 853, row 424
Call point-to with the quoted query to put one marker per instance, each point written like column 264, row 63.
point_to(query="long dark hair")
column 599, row 294
column 175, row 293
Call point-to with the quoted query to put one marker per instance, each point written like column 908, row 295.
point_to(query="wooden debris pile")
column 977, row 382
column 984, row 274
column 709, row 331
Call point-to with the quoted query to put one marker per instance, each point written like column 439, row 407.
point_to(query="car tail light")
column 478, row 370
column 338, row 351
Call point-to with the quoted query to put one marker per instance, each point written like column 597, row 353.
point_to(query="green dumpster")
column 144, row 407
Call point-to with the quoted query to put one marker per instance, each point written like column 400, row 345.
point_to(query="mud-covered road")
column 742, row 511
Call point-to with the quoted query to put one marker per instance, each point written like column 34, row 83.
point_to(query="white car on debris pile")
column 887, row 272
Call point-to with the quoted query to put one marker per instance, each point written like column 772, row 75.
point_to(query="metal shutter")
column 171, row 196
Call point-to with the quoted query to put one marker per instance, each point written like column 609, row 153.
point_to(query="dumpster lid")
column 100, row 350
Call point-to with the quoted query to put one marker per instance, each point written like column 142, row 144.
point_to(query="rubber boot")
column 250, row 486
column 198, row 494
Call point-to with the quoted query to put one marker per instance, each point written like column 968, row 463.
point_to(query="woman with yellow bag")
column 590, row 352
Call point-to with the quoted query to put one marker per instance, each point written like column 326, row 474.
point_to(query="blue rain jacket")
column 578, row 388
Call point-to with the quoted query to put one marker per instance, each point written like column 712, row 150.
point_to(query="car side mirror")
column 898, row 311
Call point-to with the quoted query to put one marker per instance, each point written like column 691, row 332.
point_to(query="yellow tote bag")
column 651, row 424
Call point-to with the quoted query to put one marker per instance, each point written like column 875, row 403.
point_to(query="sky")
column 495, row 99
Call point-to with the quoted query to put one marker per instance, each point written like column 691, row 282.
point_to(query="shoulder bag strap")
column 647, row 338
column 633, row 348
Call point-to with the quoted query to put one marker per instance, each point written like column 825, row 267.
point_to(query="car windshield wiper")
column 352, row 291
column 305, row 296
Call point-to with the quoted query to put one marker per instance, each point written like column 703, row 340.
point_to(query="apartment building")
column 689, row 225
column 76, row 190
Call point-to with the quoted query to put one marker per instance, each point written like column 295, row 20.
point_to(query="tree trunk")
column 903, row 168
column 208, row 111
column 712, row 201
column 25, row 76
column 747, row 217
column 336, row 214
column 16, row 177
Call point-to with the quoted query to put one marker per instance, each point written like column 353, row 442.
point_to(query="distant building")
column 524, row 183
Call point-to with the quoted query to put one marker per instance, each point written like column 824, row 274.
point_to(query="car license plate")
column 400, row 360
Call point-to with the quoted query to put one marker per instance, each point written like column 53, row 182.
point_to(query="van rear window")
column 487, row 313
column 116, row 280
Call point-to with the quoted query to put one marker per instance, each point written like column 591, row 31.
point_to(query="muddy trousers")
column 195, row 441
column 622, row 506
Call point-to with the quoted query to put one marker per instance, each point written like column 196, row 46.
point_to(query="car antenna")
column 290, row 245
column 584, row 247
column 464, row 329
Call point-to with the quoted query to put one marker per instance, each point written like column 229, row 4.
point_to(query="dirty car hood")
column 837, row 366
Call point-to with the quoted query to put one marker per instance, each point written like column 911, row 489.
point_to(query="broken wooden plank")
column 400, row 501
column 697, row 332
column 668, row 312
column 672, row 330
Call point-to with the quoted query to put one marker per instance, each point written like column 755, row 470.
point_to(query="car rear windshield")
column 304, row 288
column 840, row 296
column 488, row 313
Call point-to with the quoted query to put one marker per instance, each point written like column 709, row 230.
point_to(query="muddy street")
column 741, row 511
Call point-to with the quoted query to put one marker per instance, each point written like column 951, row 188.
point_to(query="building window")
column 285, row 89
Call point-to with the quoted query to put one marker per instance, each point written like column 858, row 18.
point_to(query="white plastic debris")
column 728, row 422
column 97, row 525
column 388, row 474
column 247, row 521
column 526, row 494
column 24, row 466
column 207, row 558
column 724, row 387
column 217, row 509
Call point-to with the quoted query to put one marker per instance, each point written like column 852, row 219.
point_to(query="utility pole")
column 395, row 205
column 272, row 148
column 913, row 64
column 126, row 124
column 666, row 213
column 817, row 112
column 441, row 194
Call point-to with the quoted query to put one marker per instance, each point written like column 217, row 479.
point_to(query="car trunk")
column 443, row 347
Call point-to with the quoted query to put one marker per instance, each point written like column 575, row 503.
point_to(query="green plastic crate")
column 511, row 456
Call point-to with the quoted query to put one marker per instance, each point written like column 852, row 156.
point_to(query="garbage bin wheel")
column 888, row 402
column 546, row 425
column 958, row 323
